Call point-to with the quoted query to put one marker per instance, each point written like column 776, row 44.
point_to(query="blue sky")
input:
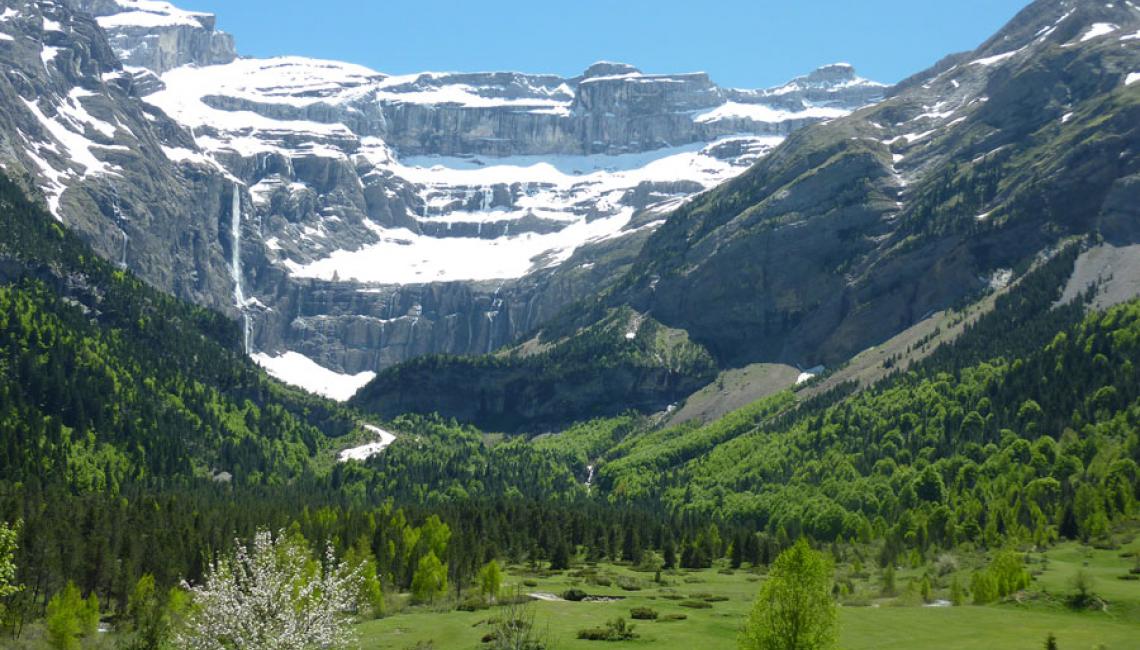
column 741, row 43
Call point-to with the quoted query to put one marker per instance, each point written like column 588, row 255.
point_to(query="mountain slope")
column 853, row 230
column 925, row 197
column 106, row 381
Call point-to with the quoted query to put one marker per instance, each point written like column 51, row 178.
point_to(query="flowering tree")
column 9, row 535
column 272, row 596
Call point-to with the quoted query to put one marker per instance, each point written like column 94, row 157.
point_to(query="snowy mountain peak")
column 158, row 35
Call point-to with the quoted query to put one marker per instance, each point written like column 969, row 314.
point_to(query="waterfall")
column 235, row 271
column 235, row 267
column 126, row 242
column 491, row 331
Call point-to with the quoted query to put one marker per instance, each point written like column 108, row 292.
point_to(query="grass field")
column 885, row 623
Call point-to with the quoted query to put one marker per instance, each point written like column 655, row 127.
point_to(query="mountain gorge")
column 379, row 217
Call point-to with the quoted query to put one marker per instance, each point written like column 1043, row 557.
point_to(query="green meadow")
column 715, row 602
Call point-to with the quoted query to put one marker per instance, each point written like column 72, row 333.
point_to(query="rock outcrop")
column 158, row 36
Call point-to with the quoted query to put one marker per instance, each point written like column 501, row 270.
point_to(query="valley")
column 295, row 353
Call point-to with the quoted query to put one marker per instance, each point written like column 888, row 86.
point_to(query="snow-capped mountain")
column 381, row 217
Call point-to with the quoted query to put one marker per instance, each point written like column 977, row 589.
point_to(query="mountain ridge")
column 851, row 231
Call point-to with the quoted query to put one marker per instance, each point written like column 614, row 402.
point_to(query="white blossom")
column 272, row 596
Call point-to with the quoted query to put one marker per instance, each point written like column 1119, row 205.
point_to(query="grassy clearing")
column 885, row 623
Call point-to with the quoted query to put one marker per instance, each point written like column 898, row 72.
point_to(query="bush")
column 574, row 595
column 602, row 581
column 695, row 604
column 628, row 584
column 669, row 618
column 530, row 583
column 615, row 630
column 643, row 614
column 1082, row 596
column 472, row 604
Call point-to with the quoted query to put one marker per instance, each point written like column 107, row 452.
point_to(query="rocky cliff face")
column 377, row 218
column 74, row 132
column 159, row 36
column 381, row 218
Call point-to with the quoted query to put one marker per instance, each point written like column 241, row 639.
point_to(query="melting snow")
column 809, row 374
column 1132, row 78
column 1098, row 30
column 364, row 452
column 763, row 113
column 404, row 257
column 150, row 14
column 297, row 369
column 997, row 58
column 77, row 147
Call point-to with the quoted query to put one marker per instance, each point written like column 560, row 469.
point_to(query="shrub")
column 695, row 604
column 628, row 584
column 643, row 614
column 530, row 583
column 669, row 618
column 615, row 630
column 574, row 595
column 472, row 604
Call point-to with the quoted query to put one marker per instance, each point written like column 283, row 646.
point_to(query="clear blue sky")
column 741, row 43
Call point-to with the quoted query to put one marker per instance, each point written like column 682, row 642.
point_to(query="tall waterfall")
column 235, row 262
column 235, row 270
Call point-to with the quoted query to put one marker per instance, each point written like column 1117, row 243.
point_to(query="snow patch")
column 809, row 374
column 766, row 114
column 364, row 452
column 1132, row 78
column 997, row 58
column 1098, row 30
column 297, row 369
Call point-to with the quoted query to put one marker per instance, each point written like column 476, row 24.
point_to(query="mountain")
column 378, row 217
column 857, row 229
column 74, row 132
column 107, row 382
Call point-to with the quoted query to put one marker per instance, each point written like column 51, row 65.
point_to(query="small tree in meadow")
column 795, row 610
column 430, row 580
column 490, row 580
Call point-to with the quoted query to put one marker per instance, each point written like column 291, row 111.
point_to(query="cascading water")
column 235, row 269
column 126, row 243
column 235, row 261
